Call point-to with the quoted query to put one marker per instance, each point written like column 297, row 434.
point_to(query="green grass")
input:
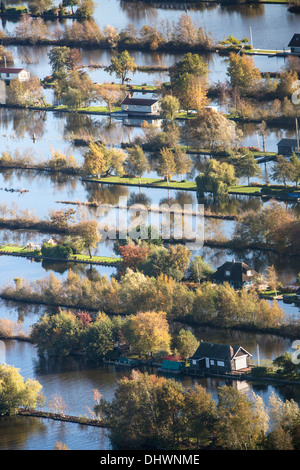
column 153, row 182
column 14, row 249
column 245, row 189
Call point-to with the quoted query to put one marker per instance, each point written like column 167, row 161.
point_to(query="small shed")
column 287, row 147
column 294, row 44
column 171, row 367
column 219, row 358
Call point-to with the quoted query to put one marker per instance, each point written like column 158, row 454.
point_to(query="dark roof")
column 287, row 142
column 139, row 101
column 10, row 70
column 295, row 41
column 238, row 272
column 223, row 352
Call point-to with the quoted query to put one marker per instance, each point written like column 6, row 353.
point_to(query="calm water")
column 221, row 21
column 73, row 379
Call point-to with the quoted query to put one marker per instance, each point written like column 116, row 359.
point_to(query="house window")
column 249, row 272
column 194, row 362
column 227, row 273
column 220, row 363
column 212, row 363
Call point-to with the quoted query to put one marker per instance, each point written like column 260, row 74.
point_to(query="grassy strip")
column 148, row 182
column 189, row 185
column 15, row 250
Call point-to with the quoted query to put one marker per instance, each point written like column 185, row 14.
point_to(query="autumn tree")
column 295, row 162
column 166, row 164
column 146, row 412
column 243, row 74
column 16, row 393
column 181, row 74
column 148, row 332
column 271, row 278
column 136, row 163
column 212, row 130
column 89, row 233
column 121, row 65
column 238, row 426
column 39, row 6
column 86, row 9
column 183, row 162
column 94, row 160
column 111, row 94
column 186, row 344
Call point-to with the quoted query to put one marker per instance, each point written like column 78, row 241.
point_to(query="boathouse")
column 219, row 358
column 294, row 44
column 287, row 147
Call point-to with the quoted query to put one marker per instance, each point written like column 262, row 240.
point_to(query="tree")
column 146, row 412
column 186, row 344
column 121, row 65
column 169, row 107
column 89, row 233
column 191, row 65
column 212, row 130
column 216, row 178
column 271, row 278
column 98, row 337
column 58, row 335
column 86, row 9
column 286, row 364
column 246, row 166
column 111, row 35
column 166, row 164
column 194, row 97
column 71, row 3
column 279, row 439
column 282, row 170
column 199, row 414
column 148, row 332
column 238, row 426
column 58, row 59
column 295, row 162
column 199, row 270
column 137, row 163
column 183, row 162
column 111, row 94
column 16, row 393
column 94, row 160
column 243, row 73
column 39, row 6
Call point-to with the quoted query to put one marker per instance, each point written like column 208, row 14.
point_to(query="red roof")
column 10, row 70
